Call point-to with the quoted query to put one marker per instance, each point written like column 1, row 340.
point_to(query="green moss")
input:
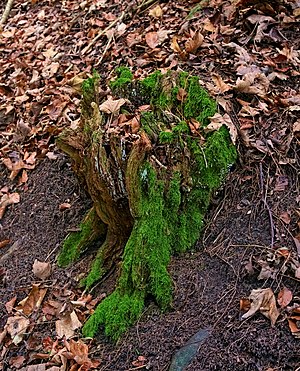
column 96, row 272
column 124, row 78
column 73, row 244
column 115, row 314
column 170, row 203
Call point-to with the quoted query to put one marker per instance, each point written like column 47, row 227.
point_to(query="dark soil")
column 208, row 282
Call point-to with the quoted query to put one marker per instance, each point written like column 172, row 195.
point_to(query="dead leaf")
column 297, row 273
column 194, row 43
column 245, row 304
column 296, row 128
column 139, row 362
column 33, row 301
column 64, row 206
column 6, row 200
column 285, row 217
column 155, row 38
column 219, row 82
column 16, row 361
column 156, row 12
column 17, row 326
column 67, row 325
column 4, row 243
column 284, row 297
column 282, row 182
column 218, row 120
column 112, row 106
column 263, row 300
column 10, row 304
column 266, row 271
column 41, row 270
column 181, row 95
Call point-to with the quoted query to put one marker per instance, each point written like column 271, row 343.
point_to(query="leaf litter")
column 246, row 56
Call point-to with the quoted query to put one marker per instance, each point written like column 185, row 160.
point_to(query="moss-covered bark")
column 151, row 185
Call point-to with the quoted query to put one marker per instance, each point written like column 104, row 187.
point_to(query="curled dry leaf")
column 218, row 120
column 33, row 301
column 67, row 325
column 17, row 326
column 41, row 270
column 219, row 82
column 64, row 206
column 6, row 200
column 194, row 43
column 156, row 12
column 284, row 297
column 263, row 300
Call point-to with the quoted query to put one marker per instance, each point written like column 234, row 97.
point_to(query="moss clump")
column 89, row 231
column 124, row 78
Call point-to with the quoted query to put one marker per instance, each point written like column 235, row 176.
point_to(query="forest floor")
column 247, row 55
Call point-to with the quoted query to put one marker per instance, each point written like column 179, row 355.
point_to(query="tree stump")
column 150, row 167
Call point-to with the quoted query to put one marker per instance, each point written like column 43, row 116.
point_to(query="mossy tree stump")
column 150, row 169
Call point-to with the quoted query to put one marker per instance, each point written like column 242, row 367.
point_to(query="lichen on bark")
column 151, row 184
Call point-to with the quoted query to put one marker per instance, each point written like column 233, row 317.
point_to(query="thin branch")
column 6, row 12
column 264, row 200
column 96, row 38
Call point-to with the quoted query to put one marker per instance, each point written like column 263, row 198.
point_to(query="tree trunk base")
column 150, row 167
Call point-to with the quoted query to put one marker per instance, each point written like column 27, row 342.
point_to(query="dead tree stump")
column 150, row 167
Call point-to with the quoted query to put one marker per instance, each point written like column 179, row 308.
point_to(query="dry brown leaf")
column 67, row 325
column 285, row 217
column 155, row 38
column 194, row 43
column 17, row 361
column 181, row 95
column 6, row 200
column 293, row 325
column 156, row 12
column 219, row 82
column 17, row 326
column 297, row 273
column 218, row 120
column 263, row 300
column 41, row 270
column 4, row 243
column 296, row 128
column 10, row 304
column 33, row 301
column 112, row 106
column 245, row 304
column 64, row 206
column 284, row 297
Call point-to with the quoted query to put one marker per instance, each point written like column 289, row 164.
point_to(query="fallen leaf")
column 156, row 12
column 284, row 297
column 263, row 300
column 17, row 326
column 64, row 206
column 6, row 200
column 10, row 304
column 181, row 95
column 285, row 217
column 219, row 82
column 245, row 304
column 194, row 43
column 155, row 38
column 112, row 106
column 33, row 301
column 67, row 325
column 282, row 182
column 41, row 270
column 4, row 243
column 17, row 361
column 218, row 120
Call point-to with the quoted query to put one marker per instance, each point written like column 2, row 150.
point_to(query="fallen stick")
column 96, row 38
column 6, row 12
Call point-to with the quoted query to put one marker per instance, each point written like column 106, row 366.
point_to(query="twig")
column 6, row 12
column 104, row 52
column 264, row 200
column 96, row 38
